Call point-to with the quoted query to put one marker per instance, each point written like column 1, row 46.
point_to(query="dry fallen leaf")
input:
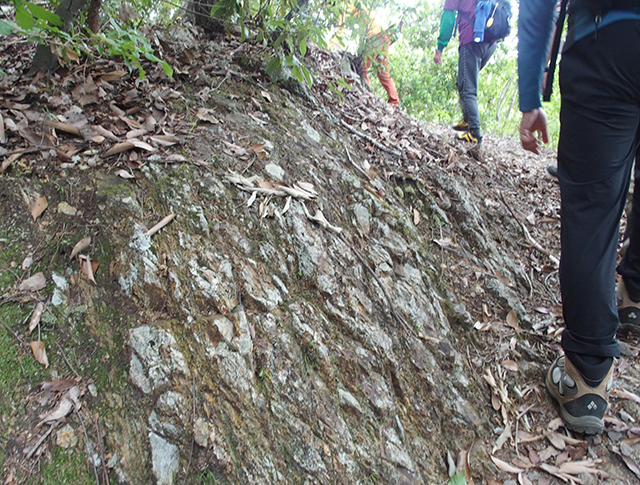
column 510, row 365
column 118, row 148
column 416, row 217
column 495, row 402
column 80, row 246
column 512, row 320
column 506, row 467
column 166, row 220
column 306, row 186
column 135, row 133
column 445, row 243
column 65, row 127
column 502, row 439
column 36, row 316
column 8, row 161
column 629, row 461
column 463, row 465
column 531, row 218
column 486, row 314
column 165, row 140
column 482, row 326
column 206, row 114
column 64, row 407
column 143, row 145
column 556, row 440
column 265, row 184
column 39, row 352
column 87, row 267
column 113, row 76
column 624, row 394
column 39, row 206
column 34, row 283
column 252, row 199
column 27, row 262
column 104, row 132
column 124, row 174
column 175, row 157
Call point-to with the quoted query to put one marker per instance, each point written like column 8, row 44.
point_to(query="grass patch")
column 66, row 466
column 16, row 362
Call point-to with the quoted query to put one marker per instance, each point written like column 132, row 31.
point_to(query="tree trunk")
column 201, row 10
column 44, row 59
column 93, row 17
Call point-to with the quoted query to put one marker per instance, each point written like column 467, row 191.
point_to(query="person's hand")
column 437, row 58
column 533, row 121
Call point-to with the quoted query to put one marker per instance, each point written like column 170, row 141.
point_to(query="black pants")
column 599, row 135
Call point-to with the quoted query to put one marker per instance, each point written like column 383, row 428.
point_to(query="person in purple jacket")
column 599, row 140
column 472, row 57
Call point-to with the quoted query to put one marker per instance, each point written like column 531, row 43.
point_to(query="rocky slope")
column 340, row 294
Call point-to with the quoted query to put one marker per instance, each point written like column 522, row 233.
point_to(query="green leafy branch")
column 40, row 25
column 131, row 46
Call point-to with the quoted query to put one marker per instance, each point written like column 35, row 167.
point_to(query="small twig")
column 66, row 360
column 527, row 236
column 18, row 338
column 358, row 169
column 376, row 143
column 517, row 423
column 193, row 417
column 392, row 310
column 40, row 441
column 26, row 150
column 103, row 458
column 86, row 437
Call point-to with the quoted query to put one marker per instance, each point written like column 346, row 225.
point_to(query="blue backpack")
column 498, row 24
column 491, row 21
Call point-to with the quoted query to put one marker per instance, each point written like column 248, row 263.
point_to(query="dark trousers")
column 599, row 135
column 472, row 58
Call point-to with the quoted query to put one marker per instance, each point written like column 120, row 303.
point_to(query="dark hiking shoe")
column 628, row 311
column 582, row 407
column 552, row 170
column 468, row 136
column 461, row 126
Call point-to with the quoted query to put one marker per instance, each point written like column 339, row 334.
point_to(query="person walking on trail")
column 374, row 51
column 472, row 57
column 599, row 140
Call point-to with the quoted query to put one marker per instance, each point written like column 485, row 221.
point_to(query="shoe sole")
column 626, row 327
column 582, row 424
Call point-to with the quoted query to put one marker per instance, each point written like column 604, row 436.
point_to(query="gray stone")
column 165, row 459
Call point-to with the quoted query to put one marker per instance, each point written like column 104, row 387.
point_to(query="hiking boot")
column 628, row 311
column 582, row 407
column 461, row 126
column 552, row 170
column 467, row 136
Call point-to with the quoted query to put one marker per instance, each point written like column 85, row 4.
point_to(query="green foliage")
column 30, row 15
column 458, row 479
column 131, row 46
column 41, row 25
